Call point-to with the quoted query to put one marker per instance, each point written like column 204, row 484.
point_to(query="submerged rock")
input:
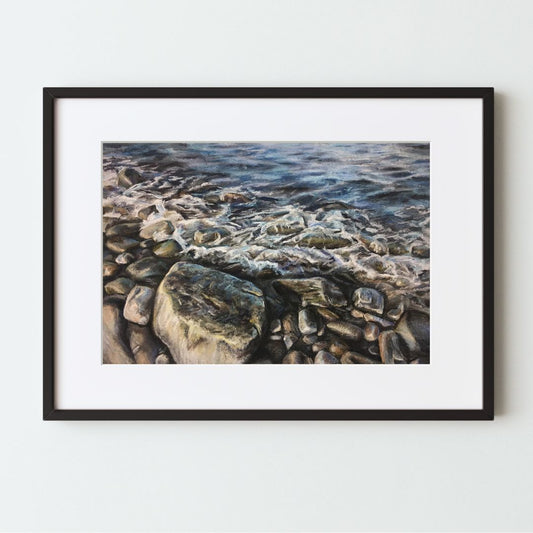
column 114, row 349
column 128, row 176
column 314, row 291
column 207, row 316
column 138, row 307
column 369, row 300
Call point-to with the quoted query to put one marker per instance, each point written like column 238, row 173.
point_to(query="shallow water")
column 358, row 211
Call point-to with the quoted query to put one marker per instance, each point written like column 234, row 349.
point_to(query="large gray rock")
column 115, row 350
column 313, row 291
column 207, row 316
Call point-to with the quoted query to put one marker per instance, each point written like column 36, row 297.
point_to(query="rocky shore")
column 165, row 303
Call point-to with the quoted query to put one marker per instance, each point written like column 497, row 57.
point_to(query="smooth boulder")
column 206, row 316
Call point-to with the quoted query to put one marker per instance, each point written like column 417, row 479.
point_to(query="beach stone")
column 160, row 227
column 124, row 258
column 315, row 291
column 296, row 358
column 289, row 340
column 276, row 337
column 414, row 330
column 309, row 339
column 207, row 316
column 325, row 358
column 383, row 322
column 306, row 322
column 119, row 286
column 357, row 314
column 319, row 240
column 371, row 332
column 276, row 350
column 289, row 324
column 396, row 248
column 163, row 359
column 146, row 269
column 128, row 177
column 420, row 250
column 143, row 345
column 145, row 212
column 346, row 330
column 378, row 247
column 368, row 299
column 396, row 313
column 147, row 243
column 320, row 345
column 338, row 348
column 275, row 325
column 123, row 230
column 390, row 349
column 168, row 249
column 354, row 358
column 327, row 314
column 109, row 269
column 114, row 349
column 138, row 307
column 210, row 235
column 121, row 244
column 373, row 349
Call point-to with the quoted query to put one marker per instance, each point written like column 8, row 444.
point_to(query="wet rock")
column 309, row 339
column 234, row 198
column 327, row 314
column 325, row 358
column 123, row 230
column 384, row 323
column 159, row 228
column 124, row 259
column 276, row 350
column 289, row 340
column 346, row 330
column 420, row 361
column 210, row 235
column 143, row 345
column 320, row 345
column 147, row 243
column 296, row 358
column 170, row 249
column 138, row 308
column 354, row 358
column 319, row 240
column 109, row 269
column 368, row 299
column 414, row 330
column 147, row 269
column 275, row 325
column 314, row 291
column 119, row 286
column 420, row 250
column 371, row 332
column 338, row 348
column 163, row 359
column 357, row 314
column 207, row 316
column 114, row 349
column 121, row 244
column 390, row 348
column 396, row 313
column 306, row 322
column 128, row 176
column 378, row 247
column 397, row 249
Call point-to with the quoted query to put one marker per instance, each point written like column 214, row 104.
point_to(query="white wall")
column 252, row 476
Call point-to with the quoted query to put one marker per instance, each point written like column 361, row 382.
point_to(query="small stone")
column 320, row 240
column 378, row 320
column 296, row 358
column 109, row 269
column 354, row 358
column 124, row 259
column 356, row 313
column 121, row 244
column 396, row 313
column 378, row 247
column 309, row 339
column 275, row 325
column 390, row 349
column 276, row 337
column 147, row 268
column 321, row 331
column 119, row 286
column 163, row 359
column 420, row 250
column 346, row 330
column 314, row 291
column 147, row 243
column 210, row 235
column 290, row 324
column 289, row 340
column 371, row 332
column 160, row 227
column 145, row 212
column 167, row 249
column 138, row 308
column 338, row 348
column 321, row 345
column 123, row 230
column 325, row 358
column 143, row 344
column 327, row 314
column 306, row 322
column 368, row 300
column 420, row 361
column 128, row 176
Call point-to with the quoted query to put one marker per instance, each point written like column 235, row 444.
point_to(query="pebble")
column 146, row 269
column 306, row 322
column 338, row 348
column 290, row 324
column 289, row 340
column 145, row 212
column 162, row 359
column 396, row 313
column 325, row 358
column 352, row 358
column 357, row 314
column 119, row 286
column 124, row 258
column 168, row 248
column 109, row 269
column 346, row 330
column 160, row 227
column 373, row 349
column 378, row 320
column 321, row 345
column 143, row 344
column 297, row 358
column 276, row 337
column 371, row 332
column 121, row 244
column 276, row 350
column 121, row 230
column 128, row 176
column 138, row 308
column 367, row 299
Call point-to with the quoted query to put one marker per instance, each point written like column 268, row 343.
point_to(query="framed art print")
column 268, row 253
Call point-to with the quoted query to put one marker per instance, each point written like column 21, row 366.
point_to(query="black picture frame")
column 51, row 96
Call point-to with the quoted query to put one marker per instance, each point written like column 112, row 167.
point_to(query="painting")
column 266, row 253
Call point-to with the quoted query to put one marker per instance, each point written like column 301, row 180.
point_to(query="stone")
column 147, row 243
column 234, row 198
column 320, row 345
column 384, row 323
column 147, row 268
column 163, row 359
column 145, row 212
column 170, row 249
column 325, row 358
column 275, row 325
column 357, row 314
column 143, row 345
column 296, row 358
column 396, row 313
column 368, row 299
column 414, row 329
column 114, row 349
column 284, row 228
column 315, row 291
column 378, row 247
column 338, row 348
column 138, row 307
column 309, row 339
column 420, row 250
column 127, row 177
column 119, row 286
column 373, row 349
column 346, row 330
column 121, row 244
column 354, row 358
column 124, row 258
column 206, row 316
column 276, row 350
column 319, row 240
column 306, row 322
column 158, row 228
column 289, row 324
column 396, row 248
column 327, row 314
column 390, row 349
column 371, row 332
column 276, row 337
column 289, row 340
column 123, row 230
column 210, row 235
column 109, row 269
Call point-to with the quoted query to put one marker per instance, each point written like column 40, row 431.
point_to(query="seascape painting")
column 266, row 253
